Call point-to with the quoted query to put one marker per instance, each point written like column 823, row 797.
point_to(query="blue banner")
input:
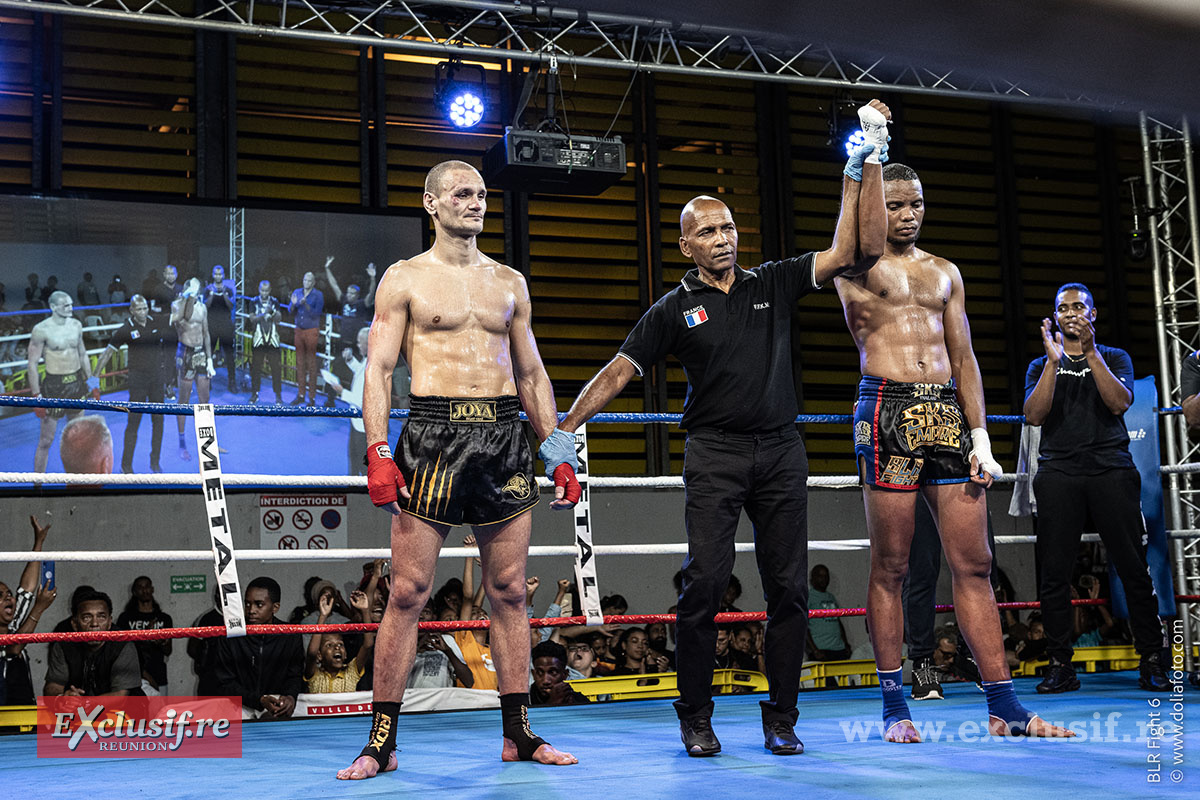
column 1142, row 421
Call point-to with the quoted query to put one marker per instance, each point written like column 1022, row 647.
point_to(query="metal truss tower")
column 1169, row 173
column 237, row 273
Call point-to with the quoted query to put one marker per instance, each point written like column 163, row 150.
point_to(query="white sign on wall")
column 301, row 521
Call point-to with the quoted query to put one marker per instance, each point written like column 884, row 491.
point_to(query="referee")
column 731, row 330
column 143, row 335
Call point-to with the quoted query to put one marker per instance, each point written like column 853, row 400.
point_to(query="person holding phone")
column 1079, row 392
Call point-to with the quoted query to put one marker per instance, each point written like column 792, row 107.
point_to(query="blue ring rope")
column 246, row 410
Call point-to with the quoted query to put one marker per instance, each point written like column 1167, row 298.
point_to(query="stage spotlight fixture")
column 460, row 91
column 854, row 140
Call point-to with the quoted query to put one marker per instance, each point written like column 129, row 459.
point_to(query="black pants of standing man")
column 143, row 388
column 1112, row 500
column 767, row 475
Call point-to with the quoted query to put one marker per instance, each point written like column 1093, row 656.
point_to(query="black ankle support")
column 383, row 733
column 514, row 713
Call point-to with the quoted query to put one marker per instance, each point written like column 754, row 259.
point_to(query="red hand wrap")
column 41, row 413
column 564, row 476
column 384, row 480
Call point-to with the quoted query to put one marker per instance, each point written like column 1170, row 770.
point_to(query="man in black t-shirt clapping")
column 1079, row 392
column 143, row 335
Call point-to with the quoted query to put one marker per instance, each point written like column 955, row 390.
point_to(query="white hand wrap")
column 874, row 127
column 981, row 451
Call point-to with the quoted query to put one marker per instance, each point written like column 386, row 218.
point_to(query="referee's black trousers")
column 143, row 388
column 1112, row 501
column 766, row 474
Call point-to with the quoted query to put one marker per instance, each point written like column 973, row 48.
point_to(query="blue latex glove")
column 559, row 448
column 854, row 165
column 93, row 383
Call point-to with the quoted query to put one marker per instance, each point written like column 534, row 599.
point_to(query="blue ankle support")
column 1002, row 703
column 894, row 706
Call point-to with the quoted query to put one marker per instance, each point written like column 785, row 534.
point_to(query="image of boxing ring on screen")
column 89, row 284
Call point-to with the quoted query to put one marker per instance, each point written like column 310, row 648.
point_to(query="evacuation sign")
column 301, row 521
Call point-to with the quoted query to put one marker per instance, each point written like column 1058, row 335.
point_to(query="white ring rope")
column 253, row 479
column 371, row 553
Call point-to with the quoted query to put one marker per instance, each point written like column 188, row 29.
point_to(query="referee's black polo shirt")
column 736, row 348
column 145, row 347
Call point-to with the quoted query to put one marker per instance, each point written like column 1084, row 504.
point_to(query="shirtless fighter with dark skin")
column 908, row 318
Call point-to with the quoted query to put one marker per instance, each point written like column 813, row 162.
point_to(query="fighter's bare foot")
column 365, row 767
column 184, row 455
column 902, row 732
column 546, row 754
column 1035, row 727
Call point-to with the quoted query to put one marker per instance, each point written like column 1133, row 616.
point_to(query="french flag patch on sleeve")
column 695, row 317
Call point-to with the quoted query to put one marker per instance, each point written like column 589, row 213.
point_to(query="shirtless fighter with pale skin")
column 193, row 356
column 58, row 339
column 920, row 427
column 462, row 322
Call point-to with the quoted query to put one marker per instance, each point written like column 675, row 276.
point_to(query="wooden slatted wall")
column 128, row 118
column 16, row 124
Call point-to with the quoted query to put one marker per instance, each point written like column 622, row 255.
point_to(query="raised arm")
column 1038, row 403
column 861, row 232
column 333, row 284
column 369, row 300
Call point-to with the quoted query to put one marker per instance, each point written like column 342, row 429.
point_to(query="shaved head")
column 704, row 202
column 435, row 180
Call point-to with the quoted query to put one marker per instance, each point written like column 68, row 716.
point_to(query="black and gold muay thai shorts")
column 68, row 386
column 466, row 460
column 191, row 362
column 910, row 434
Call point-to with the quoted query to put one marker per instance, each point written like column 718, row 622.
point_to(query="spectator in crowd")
column 450, row 596
column 723, row 658
column 1033, row 646
column 92, row 668
column 309, row 605
column 732, row 593
column 86, row 292
column 50, row 288
column 944, row 654
column 581, row 660
column 355, row 315
column 203, row 652
column 117, row 294
column 329, row 668
column 20, row 613
column 68, row 622
column 68, row 371
column 472, row 646
column 219, row 298
column 86, row 446
column 142, row 613
column 266, row 671
column 355, row 361
column 549, row 687
column 613, row 605
column 265, row 317
column 33, row 292
column 656, row 640
column 143, row 335
column 1094, row 625
column 1079, row 392
column 745, row 652
column 438, row 664
column 601, row 642
column 161, row 296
column 340, row 615
column 307, row 306
column 826, row 636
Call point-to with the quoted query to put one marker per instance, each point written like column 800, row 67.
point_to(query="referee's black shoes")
column 698, row 737
column 1152, row 676
column 780, row 738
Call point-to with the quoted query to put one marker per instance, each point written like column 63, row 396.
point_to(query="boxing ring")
column 454, row 752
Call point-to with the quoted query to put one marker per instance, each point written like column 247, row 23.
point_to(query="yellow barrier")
column 1118, row 657
column 664, row 684
column 23, row 717
column 841, row 671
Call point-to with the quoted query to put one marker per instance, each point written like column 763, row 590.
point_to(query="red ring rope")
column 457, row 625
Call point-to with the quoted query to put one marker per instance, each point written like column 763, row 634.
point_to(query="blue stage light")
column 854, row 140
column 462, row 98
column 466, row 109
